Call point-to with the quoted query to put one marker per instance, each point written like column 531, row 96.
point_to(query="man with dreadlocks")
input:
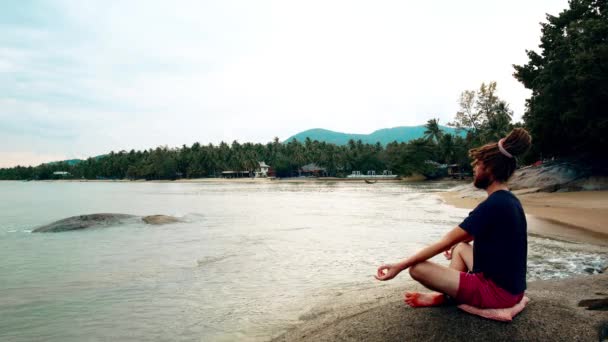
column 491, row 273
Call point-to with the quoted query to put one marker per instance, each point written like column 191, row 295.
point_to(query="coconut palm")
column 447, row 148
column 433, row 131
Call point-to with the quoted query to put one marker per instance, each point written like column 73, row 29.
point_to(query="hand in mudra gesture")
column 448, row 254
column 387, row 272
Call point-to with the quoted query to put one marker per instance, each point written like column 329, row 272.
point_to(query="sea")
column 247, row 260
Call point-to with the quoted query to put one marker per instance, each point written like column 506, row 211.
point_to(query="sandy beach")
column 579, row 216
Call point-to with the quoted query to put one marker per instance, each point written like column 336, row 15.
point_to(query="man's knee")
column 417, row 271
column 459, row 248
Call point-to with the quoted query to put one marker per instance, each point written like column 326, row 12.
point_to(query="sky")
column 83, row 78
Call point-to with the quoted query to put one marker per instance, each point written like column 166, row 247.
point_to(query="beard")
column 482, row 180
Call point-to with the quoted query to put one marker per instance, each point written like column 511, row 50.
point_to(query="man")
column 492, row 272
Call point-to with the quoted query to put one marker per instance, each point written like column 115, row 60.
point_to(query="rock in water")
column 83, row 221
column 159, row 219
column 101, row 220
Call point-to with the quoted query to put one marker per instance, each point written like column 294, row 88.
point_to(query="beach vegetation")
column 567, row 113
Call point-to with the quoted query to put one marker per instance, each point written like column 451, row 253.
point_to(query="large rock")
column 550, row 176
column 558, row 311
column 83, row 222
column 100, row 220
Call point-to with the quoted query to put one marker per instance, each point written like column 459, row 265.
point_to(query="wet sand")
column 580, row 216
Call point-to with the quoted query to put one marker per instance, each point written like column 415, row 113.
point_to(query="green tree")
column 483, row 114
column 433, row 132
column 499, row 122
column 467, row 117
column 567, row 114
column 447, row 149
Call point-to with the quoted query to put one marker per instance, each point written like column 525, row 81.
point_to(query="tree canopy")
column 486, row 117
column 285, row 158
column 567, row 114
column 492, row 121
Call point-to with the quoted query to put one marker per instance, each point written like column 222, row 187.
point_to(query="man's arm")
column 453, row 237
column 448, row 252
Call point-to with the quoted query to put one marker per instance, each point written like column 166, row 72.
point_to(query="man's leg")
column 443, row 279
column 462, row 257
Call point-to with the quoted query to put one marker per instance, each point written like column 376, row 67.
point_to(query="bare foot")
column 417, row 299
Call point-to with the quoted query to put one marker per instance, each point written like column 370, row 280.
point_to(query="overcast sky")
column 82, row 78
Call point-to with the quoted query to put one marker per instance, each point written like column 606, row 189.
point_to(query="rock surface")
column 556, row 312
column 548, row 176
column 553, row 176
column 100, row 220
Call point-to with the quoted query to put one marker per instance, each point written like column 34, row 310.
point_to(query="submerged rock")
column 100, row 220
column 159, row 219
column 83, row 222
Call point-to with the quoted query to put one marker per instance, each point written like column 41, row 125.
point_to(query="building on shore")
column 236, row 174
column 61, row 174
column 263, row 170
column 455, row 171
column 312, row 170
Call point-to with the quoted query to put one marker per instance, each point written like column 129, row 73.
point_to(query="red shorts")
column 476, row 290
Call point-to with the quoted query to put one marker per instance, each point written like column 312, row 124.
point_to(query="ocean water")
column 248, row 260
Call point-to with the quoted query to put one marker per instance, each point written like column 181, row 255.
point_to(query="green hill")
column 384, row 136
column 72, row 162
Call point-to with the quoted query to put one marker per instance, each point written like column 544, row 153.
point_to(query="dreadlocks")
column 498, row 163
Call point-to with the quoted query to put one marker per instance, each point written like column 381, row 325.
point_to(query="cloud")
column 80, row 78
column 26, row 158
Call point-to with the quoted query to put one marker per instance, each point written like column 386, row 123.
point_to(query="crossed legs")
column 444, row 280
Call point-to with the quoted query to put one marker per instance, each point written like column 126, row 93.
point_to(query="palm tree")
column 447, row 148
column 433, row 131
column 498, row 124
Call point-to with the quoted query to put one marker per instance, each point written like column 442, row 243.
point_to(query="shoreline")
column 556, row 307
column 578, row 216
column 377, row 312
column 414, row 178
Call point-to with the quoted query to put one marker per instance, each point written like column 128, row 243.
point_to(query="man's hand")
column 448, row 254
column 387, row 272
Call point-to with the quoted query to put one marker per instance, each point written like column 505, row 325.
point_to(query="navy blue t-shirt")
column 500, row 248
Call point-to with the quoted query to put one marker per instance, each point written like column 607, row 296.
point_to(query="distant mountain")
column 384, row 136
column 73, row 162
column 70, row 162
